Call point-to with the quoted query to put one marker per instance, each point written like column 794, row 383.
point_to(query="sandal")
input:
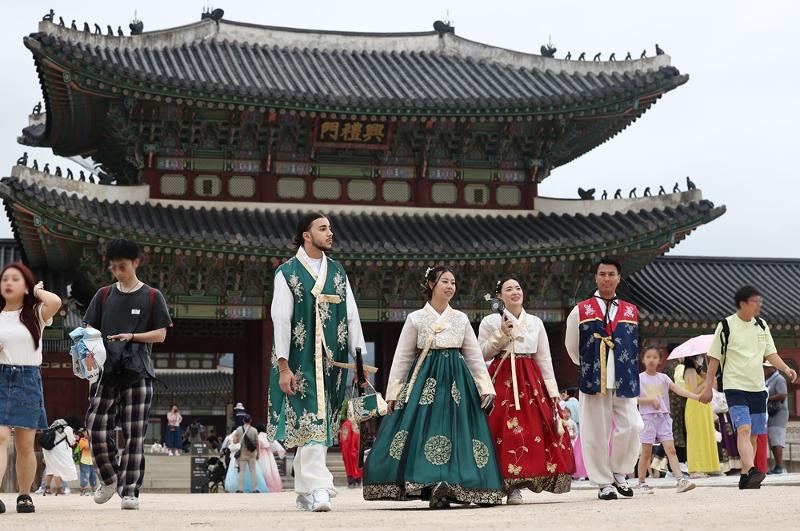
column 25, row 504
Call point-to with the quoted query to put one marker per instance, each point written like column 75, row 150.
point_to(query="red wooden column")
column 251, row 369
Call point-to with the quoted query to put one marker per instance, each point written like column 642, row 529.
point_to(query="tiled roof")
column 196, row 382
column 414, row 71
column 370, row 234
column 687, row 289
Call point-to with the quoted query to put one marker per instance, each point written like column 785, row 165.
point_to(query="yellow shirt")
column 748, row 346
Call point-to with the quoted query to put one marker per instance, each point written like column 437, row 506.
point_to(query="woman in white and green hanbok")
column 436, row 443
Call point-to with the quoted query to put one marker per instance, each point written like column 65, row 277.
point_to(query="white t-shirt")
column 16, row 339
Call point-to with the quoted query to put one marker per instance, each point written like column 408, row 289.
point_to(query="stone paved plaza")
column 715, row 504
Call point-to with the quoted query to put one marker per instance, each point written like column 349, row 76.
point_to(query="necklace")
column 134, row 288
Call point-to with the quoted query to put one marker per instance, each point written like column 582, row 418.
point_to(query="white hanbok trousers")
column 597, row 413
column 311, row 470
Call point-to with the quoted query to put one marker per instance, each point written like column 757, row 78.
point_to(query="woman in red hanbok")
column 349, row 441
column 532, row 446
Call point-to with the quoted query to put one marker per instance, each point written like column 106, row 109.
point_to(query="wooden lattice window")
column 361, row 190
column 327, row 188
column 476, row 194
column 291, row 188
column 396, row 192
column 173, row 185
column 444, row 193
column 508, row 195
column 207, row 185
column 242, row 186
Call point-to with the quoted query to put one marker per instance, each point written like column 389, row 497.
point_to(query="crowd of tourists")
column 468, row 418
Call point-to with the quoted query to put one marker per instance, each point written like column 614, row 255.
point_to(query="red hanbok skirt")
column 349, row 442
column 530, row 452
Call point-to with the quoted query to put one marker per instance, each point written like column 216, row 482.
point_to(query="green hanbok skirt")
column 440, row 434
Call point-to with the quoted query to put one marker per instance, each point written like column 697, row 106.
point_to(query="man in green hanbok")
column 316, row 327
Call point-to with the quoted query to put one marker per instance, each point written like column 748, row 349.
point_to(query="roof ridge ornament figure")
column 109, row 30
column 37, row 108
column 659, row 51
column 73, row 25
column 628, row 56
column 586, row 194
column 97, row 30
column 136, row 26
column 48, row 17
column 568, row 57
column 58, row 171
column 644, row 54
column 23, row 160
column 676, row 188
column 86, row 27
column 612, row 57
column 212, row 14
column 70, row 176
column 605, row 195
column 120, row 33
column 632, row 193
column 582, row 56
column 547, row 49
column 689, row 184
column 61, row 21
column 647, row 192
column 46, row 168
column 442, row 27
column 661, row 190
column 618, row 194
column 596, row 57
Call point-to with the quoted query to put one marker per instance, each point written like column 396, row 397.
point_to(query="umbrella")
column 693, row 347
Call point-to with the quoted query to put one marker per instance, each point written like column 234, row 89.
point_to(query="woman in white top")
column 26, row 309
column 58, row 461
column 529, row 438
column 436, row 445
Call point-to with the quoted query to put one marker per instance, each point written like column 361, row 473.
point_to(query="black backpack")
column 725, row 336
column 47, row 439
column 249, row 443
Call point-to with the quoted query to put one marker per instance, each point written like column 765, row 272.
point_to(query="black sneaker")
column 624, row 490
column 607, row 493
column 743, row 481
column 754, row 478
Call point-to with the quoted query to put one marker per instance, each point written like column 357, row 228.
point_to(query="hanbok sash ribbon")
column 509, row 354
column 606, row 343
column 428, row 343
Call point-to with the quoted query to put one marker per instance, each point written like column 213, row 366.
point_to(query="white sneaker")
column 514, row 498
column 644, row 488
column 304, row 502
column 684, row 485
column 322, row 501
column 130, row 503
column 105, row 492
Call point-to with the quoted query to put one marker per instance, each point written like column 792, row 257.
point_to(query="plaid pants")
column 131, row 408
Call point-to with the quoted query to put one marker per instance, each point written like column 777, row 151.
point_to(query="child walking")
column 654, row 408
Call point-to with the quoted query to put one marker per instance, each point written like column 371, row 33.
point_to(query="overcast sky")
column 732, row 127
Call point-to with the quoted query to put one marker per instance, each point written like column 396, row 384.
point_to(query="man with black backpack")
column 131, row 317
column 247, row 435
column 742, row 342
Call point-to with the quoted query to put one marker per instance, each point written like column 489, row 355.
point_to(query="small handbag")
column 366, row 407
column 718, row 402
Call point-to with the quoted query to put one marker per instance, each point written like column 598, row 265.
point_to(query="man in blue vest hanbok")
column 602, row 339
column 316, row 330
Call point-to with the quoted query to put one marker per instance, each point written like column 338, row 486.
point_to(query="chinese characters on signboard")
column 350, row 133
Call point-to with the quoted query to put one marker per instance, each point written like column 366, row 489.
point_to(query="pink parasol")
column 693, row 347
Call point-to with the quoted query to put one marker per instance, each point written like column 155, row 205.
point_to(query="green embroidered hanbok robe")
column 316, row 327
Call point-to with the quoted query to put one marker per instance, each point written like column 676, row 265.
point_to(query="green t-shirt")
column 748, row 346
